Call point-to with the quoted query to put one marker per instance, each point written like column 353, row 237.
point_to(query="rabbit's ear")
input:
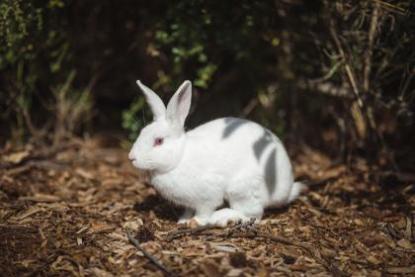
column 179, row 105
column 154, row 101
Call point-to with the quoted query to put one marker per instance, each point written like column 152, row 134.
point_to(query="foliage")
column 197, row 39
column 371, row 41
column 34, row 57
column 129, row 118
column 340, row 69
column 71, row 108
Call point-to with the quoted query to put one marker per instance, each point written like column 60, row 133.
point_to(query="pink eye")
column 158, row 141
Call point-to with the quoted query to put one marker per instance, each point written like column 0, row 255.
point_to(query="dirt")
column 68, row 213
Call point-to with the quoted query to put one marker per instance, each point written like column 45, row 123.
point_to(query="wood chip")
column 40, row 197
column 404, row 243
column 401, row 270
column 73, row 221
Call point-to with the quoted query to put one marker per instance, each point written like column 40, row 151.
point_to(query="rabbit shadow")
column 161, row 208
column 275, row 212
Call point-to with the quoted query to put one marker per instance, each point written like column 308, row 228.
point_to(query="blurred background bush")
column 336, row 75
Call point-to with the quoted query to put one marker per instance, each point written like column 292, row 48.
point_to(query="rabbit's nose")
column 131, row 156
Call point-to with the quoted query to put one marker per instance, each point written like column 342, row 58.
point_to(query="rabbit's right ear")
column 179, row 105
column 154, row 101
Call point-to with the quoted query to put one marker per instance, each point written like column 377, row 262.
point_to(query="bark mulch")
column 81, row 209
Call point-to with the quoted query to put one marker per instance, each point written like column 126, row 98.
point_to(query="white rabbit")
column 227, row 159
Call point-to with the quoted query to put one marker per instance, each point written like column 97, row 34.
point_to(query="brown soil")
column 67, row 212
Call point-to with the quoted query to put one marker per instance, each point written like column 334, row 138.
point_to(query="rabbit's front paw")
column 200, row 221
column 184, row 221
column 193, row 222
column 223, row 216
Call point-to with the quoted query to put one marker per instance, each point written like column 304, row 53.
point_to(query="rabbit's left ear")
column 155, row 102
column 179, row 105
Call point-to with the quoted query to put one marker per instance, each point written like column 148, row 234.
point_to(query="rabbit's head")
column 160, row 145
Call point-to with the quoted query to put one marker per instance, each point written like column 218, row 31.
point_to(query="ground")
column 66, row 211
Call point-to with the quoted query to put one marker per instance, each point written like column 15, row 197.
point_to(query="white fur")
column 227, row 159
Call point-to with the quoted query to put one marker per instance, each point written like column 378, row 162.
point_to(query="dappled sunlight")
column 332, row 195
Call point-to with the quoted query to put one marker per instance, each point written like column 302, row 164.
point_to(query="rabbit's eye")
column 158, row 141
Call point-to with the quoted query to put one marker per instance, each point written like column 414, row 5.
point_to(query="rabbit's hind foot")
column 224, row 216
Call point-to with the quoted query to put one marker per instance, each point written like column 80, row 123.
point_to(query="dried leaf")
column 29, row 212
column 100, row 227
column 16, row 157
column 404, row 243
column 85, row 174
column 372, row 259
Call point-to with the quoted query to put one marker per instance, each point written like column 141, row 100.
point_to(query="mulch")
column 81, row 209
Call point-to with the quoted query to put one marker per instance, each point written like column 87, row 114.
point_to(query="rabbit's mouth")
column 132, row 158
column 134, row 162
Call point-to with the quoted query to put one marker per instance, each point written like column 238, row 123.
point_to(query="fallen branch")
column 149, row 256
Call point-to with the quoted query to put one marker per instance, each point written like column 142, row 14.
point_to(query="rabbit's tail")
column 296, row 190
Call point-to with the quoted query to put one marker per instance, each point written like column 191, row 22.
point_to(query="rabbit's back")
column 237, row 148
column 233, row 141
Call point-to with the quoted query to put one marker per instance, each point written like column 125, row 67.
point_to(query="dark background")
column 334, row 75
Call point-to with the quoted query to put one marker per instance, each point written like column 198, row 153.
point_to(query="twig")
column 364, row 115
column 37, row 133
column 329, row 74
column 192, row 231
column 391, row 7
column 250, row 107
column 369, row 51
column 347, row 67
column 149, row 256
